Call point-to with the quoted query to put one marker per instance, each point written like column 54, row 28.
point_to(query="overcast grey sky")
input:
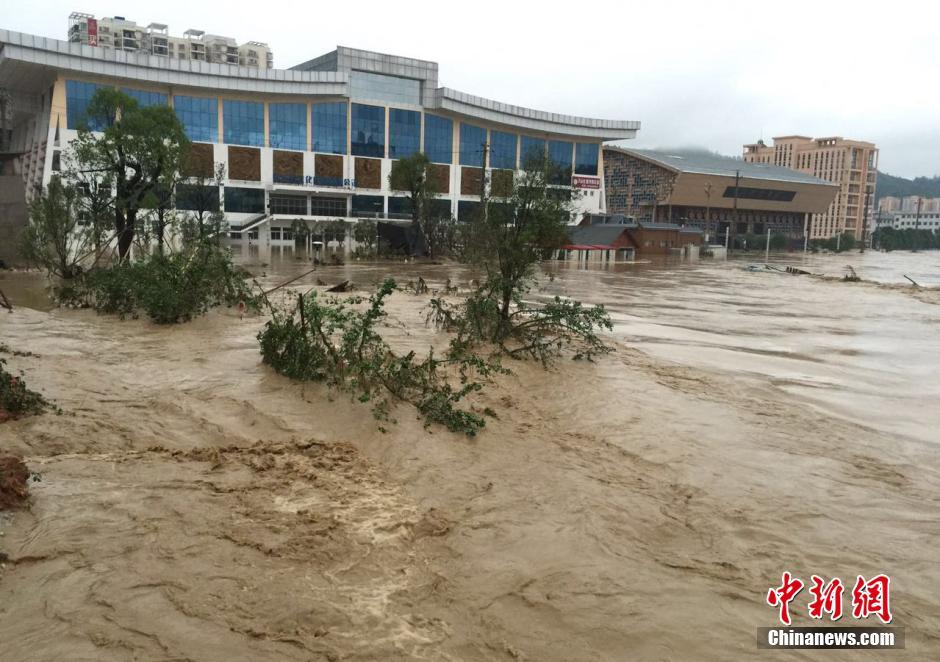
column 713, row 74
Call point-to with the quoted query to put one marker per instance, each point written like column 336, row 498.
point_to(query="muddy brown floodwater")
column 189, row 504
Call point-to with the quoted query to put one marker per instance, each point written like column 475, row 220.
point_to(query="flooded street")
column 195, row 505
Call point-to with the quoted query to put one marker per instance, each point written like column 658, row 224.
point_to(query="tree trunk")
column 125, row 232
column 504, row 312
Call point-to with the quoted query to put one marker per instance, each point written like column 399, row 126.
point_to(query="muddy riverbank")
column 191, row 504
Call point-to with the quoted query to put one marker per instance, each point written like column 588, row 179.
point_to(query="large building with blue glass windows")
column 313, row 142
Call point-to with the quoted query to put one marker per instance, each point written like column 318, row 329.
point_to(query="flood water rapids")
column 190, row 504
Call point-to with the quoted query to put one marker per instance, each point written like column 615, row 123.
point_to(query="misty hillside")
column 889, row 185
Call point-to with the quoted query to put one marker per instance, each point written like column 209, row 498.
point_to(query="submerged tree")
column 55, row 238
column 202, row 200
column 136, row 148
column 508, row 239
column 413, row 176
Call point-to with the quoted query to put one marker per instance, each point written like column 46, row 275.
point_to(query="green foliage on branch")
column 135, row 148
column 168, row 288
column 332, row 341
column 540, row 332
column 16, row 399
column 508, row 240
column 908, row 239
column 836, row 244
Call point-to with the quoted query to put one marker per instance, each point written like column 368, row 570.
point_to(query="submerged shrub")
column 168, row 288
column 524, row 331
column 328, row 340
column 15, row 398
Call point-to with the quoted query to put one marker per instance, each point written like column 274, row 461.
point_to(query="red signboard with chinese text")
column 580, row 181
column 92, row 32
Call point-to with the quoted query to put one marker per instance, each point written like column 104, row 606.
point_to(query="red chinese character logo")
column 827, row 598
column 784, row 594
column 872, row 597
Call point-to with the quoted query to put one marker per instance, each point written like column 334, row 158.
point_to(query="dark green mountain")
column 889, row 185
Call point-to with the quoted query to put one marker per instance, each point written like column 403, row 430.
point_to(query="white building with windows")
column 314, row 142
column 907, row 220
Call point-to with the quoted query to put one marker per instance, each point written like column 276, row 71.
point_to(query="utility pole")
column 767, row 249
column 920, row 202
column 708, row 209
column 486, row 148
column 737, row 181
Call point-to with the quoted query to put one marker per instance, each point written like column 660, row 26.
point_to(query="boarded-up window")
column 200, row 161
column 470, row 181
column 439, row 178
column 368, row 173
column 244, row 163
column 288, row 167
column 328, row 170
column 501, row 183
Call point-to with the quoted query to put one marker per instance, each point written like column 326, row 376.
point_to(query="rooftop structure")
column 120, row 33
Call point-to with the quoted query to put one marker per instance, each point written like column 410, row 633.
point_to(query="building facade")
column 122, row 34
column 850, row 164
column 316, row 142
column 909, row 203
column 907, row 220
column 718, row 195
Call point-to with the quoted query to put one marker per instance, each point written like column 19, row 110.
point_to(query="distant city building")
column 122, row 34
column 657, row 187
column 909, row 203
column 905, row 220
column 852, row 164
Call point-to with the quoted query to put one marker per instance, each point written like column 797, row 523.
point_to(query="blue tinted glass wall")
column 77, row 96
column 586, row 156
column 502, row 150
column 404, row 133
column 287, row 125
column 560, row 153
column 531, row 148
column 244, row 200
column 329, row 127
column 199, row 116
column 368, row 130
column 439, row 139
column 243, row 123
column 471, row 145
column 145, row 98
column 368, row 86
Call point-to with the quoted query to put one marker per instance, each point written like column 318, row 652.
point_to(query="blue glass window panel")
column 199, row 116
column 329, row 127
column 144, row 98
column 77, row 97
column 559, row 151
column 368, row 206
column 243, row 123
column 531, row 148
column 404, row 133
column 244, row 200
column 439, row 139
column 368, row 130
column 369, row 86
column 586, row 155
column 502, row 150
column 471, row 145
column 287, row 125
